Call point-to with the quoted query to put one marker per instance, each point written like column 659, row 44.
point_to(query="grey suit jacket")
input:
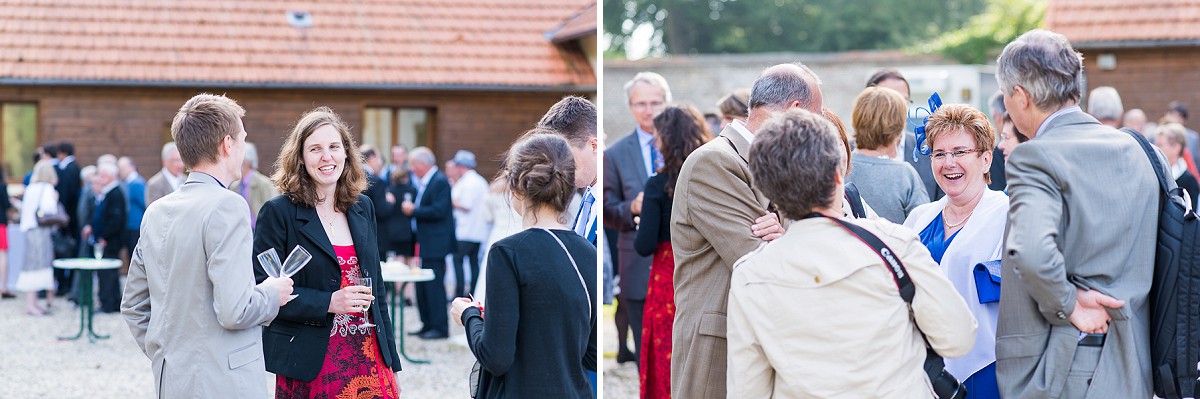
column 190, row 300
column 711, row 216
column 158, row 187
column 1084, row 206
column 625, row 177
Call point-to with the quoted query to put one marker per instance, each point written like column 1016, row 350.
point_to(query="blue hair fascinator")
column 922, row 148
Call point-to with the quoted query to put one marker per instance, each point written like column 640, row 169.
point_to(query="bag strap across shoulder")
column 586, row 291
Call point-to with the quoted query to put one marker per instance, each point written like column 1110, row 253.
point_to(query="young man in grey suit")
column 190, row 296
column 1074, row 312
column 627, row 165
column 717, row 218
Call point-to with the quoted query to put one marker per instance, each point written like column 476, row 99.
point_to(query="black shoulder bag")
column 944, row 384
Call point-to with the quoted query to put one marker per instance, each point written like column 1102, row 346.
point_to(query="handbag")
column 987, row 281
column 57, row 219
column 945, row 386
column 64, row 245
column 477, row 370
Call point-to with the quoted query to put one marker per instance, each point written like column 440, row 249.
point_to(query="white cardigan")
column 980, row 240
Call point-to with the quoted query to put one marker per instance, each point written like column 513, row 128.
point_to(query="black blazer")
column 108, row 222
column 435, row 219
column 397, row 228
column 296, row 341
column 377, row 191
column 69, row 189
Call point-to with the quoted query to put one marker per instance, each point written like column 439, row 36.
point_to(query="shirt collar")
column 740, row 127
column 105, row 190
column 429, row 175
column 1061, row 112
column 644, row 137
column 132, row 177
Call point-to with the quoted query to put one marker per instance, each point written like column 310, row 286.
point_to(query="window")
column 384, row 127
column 19, row 125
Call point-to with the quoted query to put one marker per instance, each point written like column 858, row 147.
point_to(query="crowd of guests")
column 788, row 256
column 197, row 295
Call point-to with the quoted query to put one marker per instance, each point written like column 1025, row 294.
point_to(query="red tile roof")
column 357, row 43
column 1123, row 20
column 582, row 23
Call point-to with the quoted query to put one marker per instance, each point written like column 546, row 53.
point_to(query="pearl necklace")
column 951, row 226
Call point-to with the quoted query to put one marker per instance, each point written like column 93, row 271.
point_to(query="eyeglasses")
column 643, row 105
column 943, row 156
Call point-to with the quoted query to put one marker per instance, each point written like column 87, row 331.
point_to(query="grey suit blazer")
column 1084, row 206
column 625, row 177
column 158, row 187
column 190, row 300
column 711, row 215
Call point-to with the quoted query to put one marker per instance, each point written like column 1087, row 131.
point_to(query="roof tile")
column 487, row 42
column 1119, row 20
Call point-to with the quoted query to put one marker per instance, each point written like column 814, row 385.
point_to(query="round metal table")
column 398, row 272
column 86, row 268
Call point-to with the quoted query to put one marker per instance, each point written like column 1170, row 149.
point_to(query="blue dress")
column 982, row 384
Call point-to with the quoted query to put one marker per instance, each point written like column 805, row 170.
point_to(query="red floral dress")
column 353, row 366
column 655, row 365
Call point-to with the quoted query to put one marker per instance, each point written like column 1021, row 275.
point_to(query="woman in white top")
column 505, row 221
column 965, row 229
column 40, row 198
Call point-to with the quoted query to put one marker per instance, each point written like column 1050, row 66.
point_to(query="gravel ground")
column 620, row 380
column 35, row 364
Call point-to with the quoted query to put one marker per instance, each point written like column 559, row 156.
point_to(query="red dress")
column 353, row 366
column 655, row 365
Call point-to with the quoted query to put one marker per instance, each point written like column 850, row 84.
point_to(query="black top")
column 538, row 336
column 1188, row 182
column 656, row 216
column 377, row 192
column 398, row 225
column 294, row 344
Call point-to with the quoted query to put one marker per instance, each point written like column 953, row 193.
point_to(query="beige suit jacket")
column 191, row 302
column 711, row 216
column 261, row 191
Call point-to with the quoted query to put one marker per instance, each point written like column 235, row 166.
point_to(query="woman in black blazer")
column 315, row 345
column 399, row 233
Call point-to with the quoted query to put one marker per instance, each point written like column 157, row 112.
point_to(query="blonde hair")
column 878, row 117
column 44, row 171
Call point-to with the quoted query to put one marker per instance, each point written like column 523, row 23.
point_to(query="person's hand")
column 767, row 227
column 407, row 208
column 102, row 242
column 635, row 207
column 390, row 198
column 1090, row 315
column 86, row 232
column 459, row 306
column 351, row 299
column 283, row 286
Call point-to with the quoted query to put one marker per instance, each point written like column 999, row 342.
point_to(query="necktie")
column 655, row 160
column 585, row 213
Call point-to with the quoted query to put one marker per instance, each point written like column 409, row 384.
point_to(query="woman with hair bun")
column 538, row 332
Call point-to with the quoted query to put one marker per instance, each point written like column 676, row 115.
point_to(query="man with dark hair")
column 718, row 217
column 69, row 188
column 1074, row 316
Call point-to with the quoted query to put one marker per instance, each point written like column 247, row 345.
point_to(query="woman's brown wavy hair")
column 293, row 180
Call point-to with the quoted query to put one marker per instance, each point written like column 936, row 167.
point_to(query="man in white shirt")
column 468, row 195
column 169, row 179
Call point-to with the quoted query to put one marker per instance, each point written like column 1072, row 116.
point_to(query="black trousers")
column 636, row 310
column 431, row 298
column 109, row 285
column 621, row 318
column 470, row 251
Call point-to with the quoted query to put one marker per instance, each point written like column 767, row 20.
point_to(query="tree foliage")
column 746, row 26
column 981, row 40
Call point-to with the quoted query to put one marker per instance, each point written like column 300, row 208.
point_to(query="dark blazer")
column 398, row 226
column 377, row 192
column 435, row 219
column 296, row 341
column 108, row 222
column 922, row 165
column 625, row 177
column 656, row 216
column 69, row 186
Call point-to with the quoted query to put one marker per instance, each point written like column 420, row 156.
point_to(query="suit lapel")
column 310, row 226
column 740, row 145
column 635, row 152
